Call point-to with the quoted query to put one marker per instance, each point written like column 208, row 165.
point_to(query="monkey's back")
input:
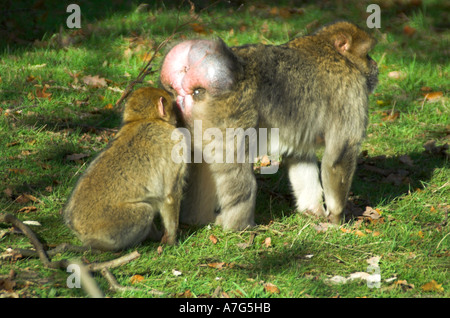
column 135, row 168
column 315, row 77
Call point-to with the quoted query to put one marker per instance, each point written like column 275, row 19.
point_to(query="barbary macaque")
column 115, row 201
column 314, row 89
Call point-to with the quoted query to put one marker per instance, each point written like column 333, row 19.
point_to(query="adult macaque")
column 314, row 89
column 114, row 203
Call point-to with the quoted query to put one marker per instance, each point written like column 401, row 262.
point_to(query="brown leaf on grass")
column 17, row 171
column 159, row 250
column 199, row 28
column 136, row 279
column 397, row 75
column 323, row 227
column 30, row 78
column 390, row 116
column 185, row 294
column 408, row 30
column 433, row 96
column 265, row 161
column 271, row 288
column 218, row 265
column 25, row 198
column 374, row 214
column 432, row 286
column 8, row 283
column 213, row 239
column 403, row 284
column 267, row 242
column 94, row 81
column 27, row 209
column 8, row 192
column 41, row 93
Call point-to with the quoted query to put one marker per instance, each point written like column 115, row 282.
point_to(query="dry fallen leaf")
column 213, row 239
column 267, row 242
column 94, row 81
column 397, row 74
column 323, row 227
column 198, row 28
column 265, row 161
column 218, row 265
column 404, row 284
column 25, row 198
column 42, row 93
column 433, row 96
column 409, row 31
column 432, row 286
column 374, row 214
column 271, row 288
column 27, row 209
column 136, row 279
column 390, row 116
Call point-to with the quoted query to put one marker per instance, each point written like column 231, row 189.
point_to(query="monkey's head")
column 353, row 43
column 149, row 103
column 197, row 70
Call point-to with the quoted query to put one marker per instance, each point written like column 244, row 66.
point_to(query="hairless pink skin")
column 195, row 64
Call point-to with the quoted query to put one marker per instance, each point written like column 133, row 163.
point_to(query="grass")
column 406, row 184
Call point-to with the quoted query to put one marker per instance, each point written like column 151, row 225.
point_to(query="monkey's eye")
column 198, row 93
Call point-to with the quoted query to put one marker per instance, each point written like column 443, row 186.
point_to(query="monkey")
column 314, row 89
column 115, row 201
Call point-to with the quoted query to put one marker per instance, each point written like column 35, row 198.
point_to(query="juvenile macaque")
column 314, row 89
column 115, row 201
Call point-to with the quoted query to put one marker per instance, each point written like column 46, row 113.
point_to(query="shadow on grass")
column 377, row 181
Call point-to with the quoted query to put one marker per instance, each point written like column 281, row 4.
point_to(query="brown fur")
column 114, row 203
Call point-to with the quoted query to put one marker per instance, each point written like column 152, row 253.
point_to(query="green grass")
column 412, row 237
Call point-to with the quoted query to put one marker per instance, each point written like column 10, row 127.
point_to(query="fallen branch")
column 87, row 282
column 11, row 219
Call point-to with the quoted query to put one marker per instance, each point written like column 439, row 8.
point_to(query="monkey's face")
column 196, row 69
column 372, row 74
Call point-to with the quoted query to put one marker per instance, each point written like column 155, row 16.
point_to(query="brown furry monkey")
column 114, row 203
column 314, row 89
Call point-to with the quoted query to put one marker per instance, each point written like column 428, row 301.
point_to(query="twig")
column 113, row 284
column 11, row 219
column 61, row 248
column 113, row 263
column 87, row 281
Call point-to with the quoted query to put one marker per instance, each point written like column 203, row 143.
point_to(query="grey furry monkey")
column 314, row 89
column 114, row 203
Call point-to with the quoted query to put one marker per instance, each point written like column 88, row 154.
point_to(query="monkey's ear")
column 342, row 42
column 161, row 109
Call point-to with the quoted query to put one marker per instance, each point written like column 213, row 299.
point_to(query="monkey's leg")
column 200, row 201
column 305, row 182
column 170, row 215
column 338, row 166
column 123, row 226
column 236, row 192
